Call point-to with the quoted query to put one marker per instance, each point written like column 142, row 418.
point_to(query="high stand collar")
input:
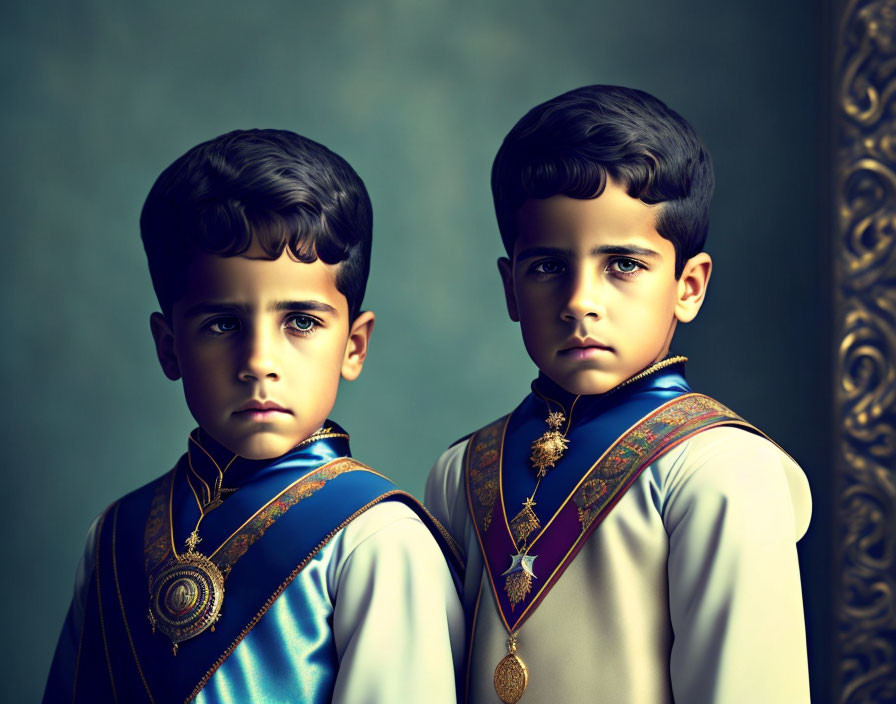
column 667, row 374
column 213, row 467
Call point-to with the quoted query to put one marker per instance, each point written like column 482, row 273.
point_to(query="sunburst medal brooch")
column 549, row 448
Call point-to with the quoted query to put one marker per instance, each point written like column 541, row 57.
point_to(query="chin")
column 589, row 383
column 264, row 446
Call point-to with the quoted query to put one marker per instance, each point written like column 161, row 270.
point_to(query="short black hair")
column 271, row 186
column 570, row 145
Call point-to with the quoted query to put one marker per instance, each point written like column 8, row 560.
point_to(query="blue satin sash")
column 119, row 658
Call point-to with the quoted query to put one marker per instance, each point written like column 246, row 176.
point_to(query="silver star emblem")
column 521, row 563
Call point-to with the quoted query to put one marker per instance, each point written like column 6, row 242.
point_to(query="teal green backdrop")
column 100, row 96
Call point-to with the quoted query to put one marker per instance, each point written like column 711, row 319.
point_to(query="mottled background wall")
column 99, row 96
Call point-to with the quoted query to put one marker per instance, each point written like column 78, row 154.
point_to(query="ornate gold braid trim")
column 655, row 367
column 452, row 544
column 865, row 328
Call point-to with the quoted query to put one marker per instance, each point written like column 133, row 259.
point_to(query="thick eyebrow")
column 314, row 306
column 215, row 308
column 626, row 250
column 532, row 252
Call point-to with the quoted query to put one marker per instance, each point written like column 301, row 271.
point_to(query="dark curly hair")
column 271, row 186
column 572, row 143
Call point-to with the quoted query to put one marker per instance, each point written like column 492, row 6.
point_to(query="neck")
column 213, row 465
column 667, row 371
column 215, row 451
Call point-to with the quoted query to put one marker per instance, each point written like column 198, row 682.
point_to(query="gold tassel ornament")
column 525, row 522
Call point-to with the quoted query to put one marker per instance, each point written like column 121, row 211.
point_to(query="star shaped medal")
column 519, row 577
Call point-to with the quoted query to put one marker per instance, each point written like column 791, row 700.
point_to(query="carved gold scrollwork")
column 868, row 186
column 868, row 36
column 866, row 371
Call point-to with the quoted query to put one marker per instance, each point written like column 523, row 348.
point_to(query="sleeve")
column 397, row 619
column 60, row 682
column 736, row 505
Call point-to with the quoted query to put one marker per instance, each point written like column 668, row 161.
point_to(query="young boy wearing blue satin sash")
column 267, row 565
column 628, row 541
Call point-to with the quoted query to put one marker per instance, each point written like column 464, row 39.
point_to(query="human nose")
column 583, row 297
column 259, row 357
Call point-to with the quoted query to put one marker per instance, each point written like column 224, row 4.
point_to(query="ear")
column 356, row 345
column 164, row 338
column 692, row 287
column 505, row 268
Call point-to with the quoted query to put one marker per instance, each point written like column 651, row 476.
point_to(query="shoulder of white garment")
column 737, row 466
column 388, row 527
column 444, row 494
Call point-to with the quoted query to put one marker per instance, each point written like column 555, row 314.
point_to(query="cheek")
column 534, row 297
column 204, row 376
column 536, row 310
column 323, row 355
column 656, row 302
column 201, row 399
column 316, row 367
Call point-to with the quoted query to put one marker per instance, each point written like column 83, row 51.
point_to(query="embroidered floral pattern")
column 587, row 498
column 157, row 541
column 155, row 534
column 639, row 447
column 482, row 462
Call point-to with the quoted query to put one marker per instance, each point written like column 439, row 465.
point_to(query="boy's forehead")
column 614, row 217
column 255, row 278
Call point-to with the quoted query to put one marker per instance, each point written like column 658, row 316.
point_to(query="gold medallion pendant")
column 511, row 675
column 185, row 597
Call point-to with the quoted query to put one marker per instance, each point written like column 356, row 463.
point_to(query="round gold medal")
column 186, row 596
column 511, row 678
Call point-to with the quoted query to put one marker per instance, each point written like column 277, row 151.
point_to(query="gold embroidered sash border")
column 156, row 548
column 641, row 445
column 482, row 468
column 254, row 528
column 158, row 543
